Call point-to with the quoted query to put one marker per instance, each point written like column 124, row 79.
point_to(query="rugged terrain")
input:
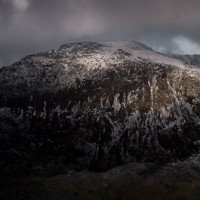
column 192, row 60
column 97, row 106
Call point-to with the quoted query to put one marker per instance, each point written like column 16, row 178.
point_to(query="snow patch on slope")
column 136, row 51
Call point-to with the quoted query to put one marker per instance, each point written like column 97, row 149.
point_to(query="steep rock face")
column 99, row 105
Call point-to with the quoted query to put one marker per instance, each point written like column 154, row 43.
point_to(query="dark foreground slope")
column 138, row 181
column 96, row 106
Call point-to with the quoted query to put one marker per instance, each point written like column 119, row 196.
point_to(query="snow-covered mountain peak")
column 115, row 51
column 113, row 102
column 61, row 68
column 129, row 45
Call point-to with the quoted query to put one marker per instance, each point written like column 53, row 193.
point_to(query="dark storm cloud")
column 29, row 26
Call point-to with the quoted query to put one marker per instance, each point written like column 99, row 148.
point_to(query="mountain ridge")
column 99, row 105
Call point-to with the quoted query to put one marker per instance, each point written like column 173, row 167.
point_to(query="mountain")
column 193, row 60
column 96, row 106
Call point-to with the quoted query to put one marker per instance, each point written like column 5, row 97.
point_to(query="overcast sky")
column 29, row 26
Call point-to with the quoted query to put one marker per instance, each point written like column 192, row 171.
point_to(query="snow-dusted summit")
column 100, row 105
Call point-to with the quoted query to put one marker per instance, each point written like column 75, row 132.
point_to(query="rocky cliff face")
column 98, row 105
